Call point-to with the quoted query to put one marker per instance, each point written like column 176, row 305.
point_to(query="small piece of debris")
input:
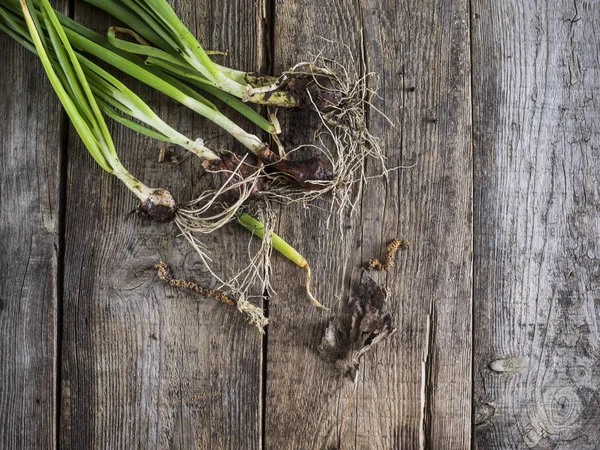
column 375, row 264
column 366, row 323
column 217, row 52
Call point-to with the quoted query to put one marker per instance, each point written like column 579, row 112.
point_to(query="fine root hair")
column 342, row 136
column 254, row 277
column 210, row 210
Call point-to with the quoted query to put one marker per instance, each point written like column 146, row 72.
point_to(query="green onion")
column 258, row 229
column 85, row 90
column 305, row 173
column 89, row 41
column 115, row 99
column 76, row 96
column 156, row 21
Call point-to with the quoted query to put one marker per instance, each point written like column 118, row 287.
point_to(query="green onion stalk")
column 205, row 214
column 66, row 72
column 339, row 96
column 312, row 173
column 157, row 23
column 69, row 83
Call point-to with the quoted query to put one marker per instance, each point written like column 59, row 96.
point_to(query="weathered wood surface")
column 414, row 391
column 144, row 366
column 30, row 144
column 536, row 76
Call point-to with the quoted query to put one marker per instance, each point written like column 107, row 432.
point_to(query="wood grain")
column 415, row 389
column 29, row 226
column 146, row 366
column 535, row 90
column 431, row 206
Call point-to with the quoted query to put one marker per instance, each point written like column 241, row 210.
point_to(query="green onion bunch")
column 86, row 91
column 160, row 51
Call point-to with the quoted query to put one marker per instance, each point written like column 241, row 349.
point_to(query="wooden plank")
column 415, row 389
column 146, row 366
column 29, row 243
column 303, row 394
column 431, row 206
column 536, row 107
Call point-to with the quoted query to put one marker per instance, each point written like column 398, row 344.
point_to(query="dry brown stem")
column 254, row 314
column 165, row 274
